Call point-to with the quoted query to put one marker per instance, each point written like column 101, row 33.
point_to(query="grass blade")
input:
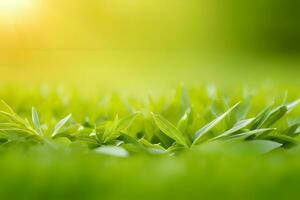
column 118, row 126
column 11, row 111
column 238, row 126
column 170, row 130
column 36, row 121
column 251, row 133
column 183, row 121
column 60, row 124
column 261, row 117
column 292, row 105
column 291, row 130
column 201, row 132
column 285, row 140
column 274, row 116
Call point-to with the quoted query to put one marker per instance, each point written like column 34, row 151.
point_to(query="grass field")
column 187, row 142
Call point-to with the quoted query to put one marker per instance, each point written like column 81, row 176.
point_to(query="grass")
column 190, row 142
column 127, row 126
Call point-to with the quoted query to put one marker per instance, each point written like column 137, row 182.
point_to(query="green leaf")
column 13, row 118
column 243, row 109
column 274, row 116
column 112, row 151
column 69, row 132
column 11, row 111
column 118, row 126
column 287, row 141
column 9, row 125
column 152, row 148
column 183, row 121
column 170, row 130
column 19, row 132
column 185, row 99
column 133, row 145
column 64, row 135
column 292, row 105
column 125, row 122
column 204, row 130
column 291, row 131
column 262, row 146
column 36, row 121
column 60, row 124
column 127, row 139
column 251, row 133
column 149, row 127
column 16, row 121
column 260, row 118
column 110, row 128
column 238, row 126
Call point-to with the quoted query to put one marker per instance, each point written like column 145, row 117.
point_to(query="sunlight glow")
column 15, row 8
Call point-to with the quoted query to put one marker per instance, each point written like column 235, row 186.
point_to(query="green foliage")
column 170, row 130
column 201, row 132
column 158, row 125
column 130, row 147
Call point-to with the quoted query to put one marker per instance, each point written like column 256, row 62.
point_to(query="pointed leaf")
column 292, row 130
column 287, row 141
column 260, row 118
column 274, row 116
column 204, row 130
column 251, row 133
column 238, row 126
column 131, row 140
column 36, row 121
column 60, row 124
column 183, row 121
column 118, row 126
column 109, row 129
column 125, row 122
column 11, row 111
column 170, row 130
column 292, row 105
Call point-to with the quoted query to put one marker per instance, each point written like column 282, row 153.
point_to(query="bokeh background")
column 115, row 44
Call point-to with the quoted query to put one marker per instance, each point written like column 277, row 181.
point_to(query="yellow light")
column 15, row 8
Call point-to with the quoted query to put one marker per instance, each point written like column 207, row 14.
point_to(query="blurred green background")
column 121, row 43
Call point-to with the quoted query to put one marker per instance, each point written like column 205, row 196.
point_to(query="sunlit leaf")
column 204, row 130
column 251, row 133
column 238, row 126
column 170, row 130
column 36, row 121
column 112, row 151
column 60, row 124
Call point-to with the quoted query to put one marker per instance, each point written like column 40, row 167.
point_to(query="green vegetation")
column 186, row 143
column 124, row 126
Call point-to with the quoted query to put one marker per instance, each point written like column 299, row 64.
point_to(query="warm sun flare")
column 15, row 8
